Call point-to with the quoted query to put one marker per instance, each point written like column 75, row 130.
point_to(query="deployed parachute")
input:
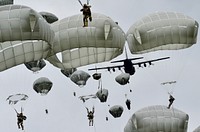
column 162, row 31
column 49, row 17
column 164, row 34
column 35, row 65
column 5, row 2
column 17, row 101
column 102, row 94
column 87, row 97
column 42, row 85
column 101, row 41
column 25, row 36
column 116, row 111
column 157, row 118
column 15, row 98
column 96, row 76
column 123, row 78
column 166, row 83
column 80, row 77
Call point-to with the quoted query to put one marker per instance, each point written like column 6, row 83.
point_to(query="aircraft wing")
column 149, row 61
column 128, row 59
column 108, row 68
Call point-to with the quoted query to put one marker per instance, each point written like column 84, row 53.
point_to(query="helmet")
column 85, row 5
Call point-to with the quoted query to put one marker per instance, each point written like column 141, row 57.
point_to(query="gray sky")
column 66, row 112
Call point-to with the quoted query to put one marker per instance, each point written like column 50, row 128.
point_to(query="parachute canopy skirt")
column 42, row 85
column 35, row 65
column 162, row 31
column 159, row 119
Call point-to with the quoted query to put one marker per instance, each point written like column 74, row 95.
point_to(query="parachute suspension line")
column 100, row 84
column 95, row 50
column 84, row 105
column 169, row 88
column 21, row 109
column 129, row 85
column 183, row 59
column 80, row 2
column 37, row 65
column 172, row 67
column 148, row 56
column 38, row 62
column 45, row 107
column 14, row 109
column 173, row 109
column 181, row 63
column 17, row 103
column 88, row 2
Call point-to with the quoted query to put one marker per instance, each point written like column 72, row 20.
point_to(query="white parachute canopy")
column 157, row 118
column 102, row 94
column 42, row 85
column 101, row 41
column 80, row 77
column 25, row 36
column 35, row 66
column 116, row 111
column 123, row 78
column 15, row 98
column 164, row 34
column 162, row 31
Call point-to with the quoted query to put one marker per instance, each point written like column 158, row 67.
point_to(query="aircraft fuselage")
column 128, row 67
